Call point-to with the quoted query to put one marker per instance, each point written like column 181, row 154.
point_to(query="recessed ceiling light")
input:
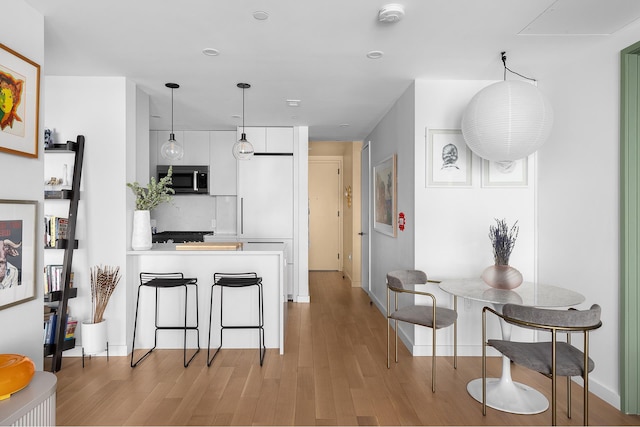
column 209, row 51
column 260, row 15
column 344, row 125
column 391, row 13
column 236, row 116
column 375, row 54
column 293, row 102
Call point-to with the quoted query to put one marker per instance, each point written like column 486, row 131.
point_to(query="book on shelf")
column 55, row 229
column 71, row 328
column 50, row 323
column 50, row 329
column 53, row 280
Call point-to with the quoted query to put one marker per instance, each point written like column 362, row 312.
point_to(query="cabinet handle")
column 242, row 215
column 195, row 180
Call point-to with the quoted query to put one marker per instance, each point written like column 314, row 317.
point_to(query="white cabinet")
column 195, row 144
column 265, row 197
column 269, row 139
column 279, row 140
column 222, row 165
column 256, row 136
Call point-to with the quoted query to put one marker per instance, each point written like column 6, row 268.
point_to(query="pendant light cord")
column 243, row 110
column 504, row 62
column 172, row 111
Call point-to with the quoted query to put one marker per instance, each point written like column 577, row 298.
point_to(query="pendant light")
column 172, row 149
column 242, row 149
column 508, row 120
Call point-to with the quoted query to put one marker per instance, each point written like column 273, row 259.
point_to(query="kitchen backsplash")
column 197, row 213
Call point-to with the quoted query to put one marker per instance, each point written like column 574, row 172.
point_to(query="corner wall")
column 23, row 324
column 394, row 134
column 579, row 194
column 101, row 109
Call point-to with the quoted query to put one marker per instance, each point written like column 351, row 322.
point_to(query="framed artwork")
column 448, row 159
column 505, row 174
column 18, row 251
column 19, row 103
column 385, row 195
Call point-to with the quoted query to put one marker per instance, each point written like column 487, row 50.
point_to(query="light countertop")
column 247, row 248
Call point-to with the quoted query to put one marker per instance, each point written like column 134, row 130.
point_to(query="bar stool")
column 165, row 281
column 237, row 280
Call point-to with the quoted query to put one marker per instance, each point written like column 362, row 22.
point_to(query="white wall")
column 100, row 108
column 395, row 134
column 22, row 324
column 452, row 223
column 579, row 193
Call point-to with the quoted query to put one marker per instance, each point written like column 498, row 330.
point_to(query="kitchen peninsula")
column 241, row 305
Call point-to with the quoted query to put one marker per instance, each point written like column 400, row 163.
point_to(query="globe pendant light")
column 508, row 120
column 242, row 149
column 172, row 149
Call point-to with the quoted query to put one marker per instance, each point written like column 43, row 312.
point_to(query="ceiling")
column 314, row 51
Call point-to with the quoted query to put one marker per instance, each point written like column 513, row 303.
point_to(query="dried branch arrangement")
column 503, row 240
column 103, row 282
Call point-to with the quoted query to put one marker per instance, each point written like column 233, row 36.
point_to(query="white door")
column 324, row 215
column 366, row 214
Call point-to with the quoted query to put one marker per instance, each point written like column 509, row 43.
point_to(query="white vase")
column 94, row 337
column 141, row 235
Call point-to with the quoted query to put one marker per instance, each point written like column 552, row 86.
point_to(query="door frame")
column 630, row 229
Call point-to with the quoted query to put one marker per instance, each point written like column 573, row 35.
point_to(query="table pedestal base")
column 509, row 396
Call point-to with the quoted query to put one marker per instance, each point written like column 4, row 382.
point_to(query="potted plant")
column 503, row 238
column 147, row 198
column 94, row 331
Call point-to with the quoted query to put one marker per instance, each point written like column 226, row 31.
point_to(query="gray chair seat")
column 537, row 356
column 423, row 315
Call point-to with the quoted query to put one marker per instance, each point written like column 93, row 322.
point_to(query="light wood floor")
column 333, row 372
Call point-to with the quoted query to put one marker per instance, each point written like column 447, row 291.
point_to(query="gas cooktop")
column 179, row 236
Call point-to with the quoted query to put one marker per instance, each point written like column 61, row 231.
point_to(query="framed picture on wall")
column 18, row 233
column 385, row 196
column 448, row 159
column 505, row 174
column 19, row 103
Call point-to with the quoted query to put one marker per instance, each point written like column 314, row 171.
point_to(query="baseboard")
column 114, row 350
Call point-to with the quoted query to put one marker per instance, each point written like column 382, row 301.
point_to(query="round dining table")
column 503, row 393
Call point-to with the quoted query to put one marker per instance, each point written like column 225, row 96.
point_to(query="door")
column 324, row 215
column 365, row 212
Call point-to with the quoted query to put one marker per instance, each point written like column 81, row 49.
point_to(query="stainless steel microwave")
column 187, row 179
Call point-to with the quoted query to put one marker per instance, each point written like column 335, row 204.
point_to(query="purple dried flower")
column 503, row 240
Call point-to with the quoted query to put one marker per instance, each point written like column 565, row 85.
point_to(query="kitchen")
column 124, row 155
column 212, row 206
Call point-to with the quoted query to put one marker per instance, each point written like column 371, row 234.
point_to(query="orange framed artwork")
column 19, row 103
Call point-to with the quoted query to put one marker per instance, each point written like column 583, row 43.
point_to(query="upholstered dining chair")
column 551, row 358
column 430, row 316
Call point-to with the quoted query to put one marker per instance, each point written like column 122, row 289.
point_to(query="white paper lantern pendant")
column 508, row 120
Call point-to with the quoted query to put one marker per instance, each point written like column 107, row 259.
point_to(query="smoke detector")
column 391, row 13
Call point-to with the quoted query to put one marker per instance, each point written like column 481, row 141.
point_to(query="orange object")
column 16, row 372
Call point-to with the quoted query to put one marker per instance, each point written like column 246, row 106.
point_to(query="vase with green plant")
column 148, row 198
column 503, row 239
column 104, row 281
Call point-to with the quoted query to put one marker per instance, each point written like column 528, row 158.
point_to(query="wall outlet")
column 213, row 224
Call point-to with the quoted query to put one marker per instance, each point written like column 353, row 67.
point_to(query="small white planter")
column 141, row 235
column 94, row 337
